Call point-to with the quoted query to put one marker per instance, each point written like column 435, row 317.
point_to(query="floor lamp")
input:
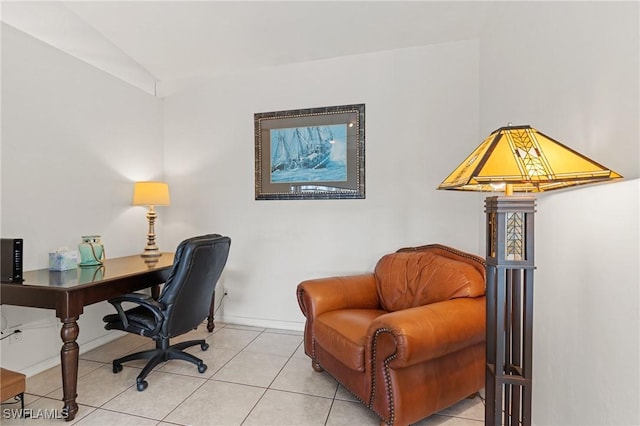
column 515, row 159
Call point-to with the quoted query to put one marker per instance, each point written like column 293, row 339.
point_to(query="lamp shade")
column 151, row 194
column 526, row 159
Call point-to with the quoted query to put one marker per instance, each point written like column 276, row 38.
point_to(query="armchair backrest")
column 187, row 293
column 417, row 276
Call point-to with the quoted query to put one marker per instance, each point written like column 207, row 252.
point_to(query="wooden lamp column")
column 510, row 266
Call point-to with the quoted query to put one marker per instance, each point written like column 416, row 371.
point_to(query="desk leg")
column 69, row 359
column 212, row 308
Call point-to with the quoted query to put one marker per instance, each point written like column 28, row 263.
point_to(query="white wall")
column 421, row 111
column 571, row 70
column 586, row 304
column 73, row 140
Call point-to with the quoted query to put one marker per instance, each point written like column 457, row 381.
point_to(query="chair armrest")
column 329, row 294
column 428, row 332
column 139, row 299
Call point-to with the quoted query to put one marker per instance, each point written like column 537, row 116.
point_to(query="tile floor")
column 255, row 377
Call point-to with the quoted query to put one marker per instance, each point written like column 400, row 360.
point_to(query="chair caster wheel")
column 142, row 385
column 202, row 368
column 117, row 368
column 204, row 346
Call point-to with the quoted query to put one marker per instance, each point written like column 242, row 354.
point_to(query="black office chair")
column 182, row 305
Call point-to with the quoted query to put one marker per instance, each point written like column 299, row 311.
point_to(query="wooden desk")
column 68, row 292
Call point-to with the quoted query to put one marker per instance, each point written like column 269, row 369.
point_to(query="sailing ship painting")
column 309, row 154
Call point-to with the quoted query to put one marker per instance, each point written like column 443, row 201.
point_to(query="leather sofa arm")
column 427, row 332
column 328, row 294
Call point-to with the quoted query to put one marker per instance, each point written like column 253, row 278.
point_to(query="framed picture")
column 314, row 153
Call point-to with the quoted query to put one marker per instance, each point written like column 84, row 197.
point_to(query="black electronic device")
column 11, row 260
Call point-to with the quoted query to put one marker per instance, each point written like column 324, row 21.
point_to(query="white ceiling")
column 176, row 40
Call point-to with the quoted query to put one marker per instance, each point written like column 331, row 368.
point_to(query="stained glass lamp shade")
column 528, row 160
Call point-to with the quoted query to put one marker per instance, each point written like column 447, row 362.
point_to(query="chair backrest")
column 187, row 293
column 417, row 276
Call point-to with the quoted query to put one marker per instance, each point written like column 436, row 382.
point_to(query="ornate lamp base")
column 151, row 249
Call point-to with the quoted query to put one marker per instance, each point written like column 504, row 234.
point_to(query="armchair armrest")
column 428, row 332
column 328, row 294
column 142, row 300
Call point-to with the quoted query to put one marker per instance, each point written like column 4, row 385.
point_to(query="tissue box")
column 63, row 260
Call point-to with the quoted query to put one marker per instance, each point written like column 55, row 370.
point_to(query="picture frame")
column 310, row 154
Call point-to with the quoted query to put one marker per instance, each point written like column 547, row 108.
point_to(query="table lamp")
column 151, row 194
column 520, row 159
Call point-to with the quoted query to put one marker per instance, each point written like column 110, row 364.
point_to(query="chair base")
column 162, row 353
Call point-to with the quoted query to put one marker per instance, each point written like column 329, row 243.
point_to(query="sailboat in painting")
column 301, row 148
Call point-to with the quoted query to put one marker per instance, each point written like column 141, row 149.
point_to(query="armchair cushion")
column 345, row 331
column 415, row 278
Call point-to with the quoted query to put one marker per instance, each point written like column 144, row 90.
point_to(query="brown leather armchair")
column 407, row 340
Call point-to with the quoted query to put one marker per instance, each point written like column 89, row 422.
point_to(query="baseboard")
column 260, row 322
column 85, row 347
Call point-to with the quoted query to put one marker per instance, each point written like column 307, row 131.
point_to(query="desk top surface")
column 112, row 269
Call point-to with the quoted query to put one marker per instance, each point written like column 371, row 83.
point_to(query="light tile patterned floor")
column 255, row 376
